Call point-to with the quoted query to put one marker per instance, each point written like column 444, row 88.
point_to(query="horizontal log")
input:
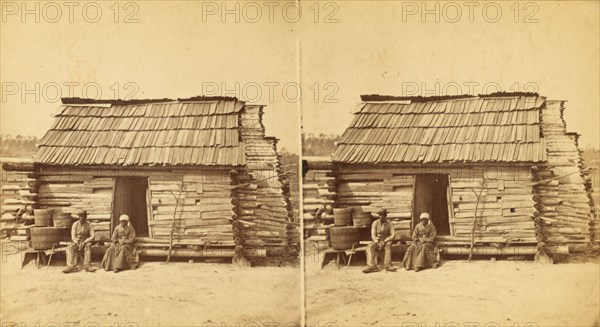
column 190, row 253
column 20, row 166
column 154, row 187
column 482, row 240
column 191, row 222
column 64, row 178
column 490, row 250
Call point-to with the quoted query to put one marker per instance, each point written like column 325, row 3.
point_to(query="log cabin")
column 199, row 171
column 493, row 171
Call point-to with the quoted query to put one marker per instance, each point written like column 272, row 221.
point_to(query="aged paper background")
column 332, row 53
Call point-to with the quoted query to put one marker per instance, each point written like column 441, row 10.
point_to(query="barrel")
column 361, row 219
column 342, row 216
column 62, row 219
column 342, row 238
column 42, row 238
column 42, row 217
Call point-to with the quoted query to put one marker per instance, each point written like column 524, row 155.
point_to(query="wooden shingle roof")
column 466, row 129
column 164, row 133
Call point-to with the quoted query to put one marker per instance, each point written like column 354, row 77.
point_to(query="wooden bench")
column 340, row 255
column 39, row 255
column 45, row 256
column 42, row 256
column 345, row 256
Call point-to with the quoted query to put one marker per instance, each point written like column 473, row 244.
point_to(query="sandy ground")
column 459, row 293
column 156, row 294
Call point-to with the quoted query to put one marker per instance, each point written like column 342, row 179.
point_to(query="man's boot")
column 69, row 270
column 371, row 269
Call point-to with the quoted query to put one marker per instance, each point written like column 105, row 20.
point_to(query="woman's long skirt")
column 120, row 256
column 422, row 256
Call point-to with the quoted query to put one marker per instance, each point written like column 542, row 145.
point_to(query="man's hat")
column 383, row 212
column 124, row 218
column 82, row 213
column 424, row 215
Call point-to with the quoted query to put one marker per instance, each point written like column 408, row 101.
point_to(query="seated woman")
column 421, row 253
column 121, row 255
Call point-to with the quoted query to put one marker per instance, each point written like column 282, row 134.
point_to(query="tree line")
column 318, row 144
column 18, row 145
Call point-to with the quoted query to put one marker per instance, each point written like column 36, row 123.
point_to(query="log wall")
column 505, row 213
column 565, row 204
column 205, row 206
column 318, row 191
column 15, row 194
column 203, row 215
column 269, row 200
column 15, row 190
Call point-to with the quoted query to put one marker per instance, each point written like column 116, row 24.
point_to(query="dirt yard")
column 156, row 294
column 481, row 293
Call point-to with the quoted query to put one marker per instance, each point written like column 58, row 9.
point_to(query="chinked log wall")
column 505, row 213
column 203, row 215
column 15, row 192
column 318, row 191
column 564, row 203
column 269, row 203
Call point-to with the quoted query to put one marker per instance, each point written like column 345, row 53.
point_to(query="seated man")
column 382, row 233
column 121, row 255
column 420, row 254
column 82, row 235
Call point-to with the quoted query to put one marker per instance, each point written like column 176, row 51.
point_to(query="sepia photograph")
column 454, row 182
column 299, row 163
column 148, row 177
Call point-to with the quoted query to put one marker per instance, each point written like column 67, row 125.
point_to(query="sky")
column 175, row 49
column 264, row 53
column 389, row 48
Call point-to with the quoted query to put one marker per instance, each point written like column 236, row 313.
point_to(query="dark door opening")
column 431, row 196
column 130, row 199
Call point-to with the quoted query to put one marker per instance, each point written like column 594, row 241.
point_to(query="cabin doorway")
column 430, row 195
column 131, row 199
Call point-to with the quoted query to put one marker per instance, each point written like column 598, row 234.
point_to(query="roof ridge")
column 390, row 98
column 122, row 102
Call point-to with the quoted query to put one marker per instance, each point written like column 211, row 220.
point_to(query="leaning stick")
column 173, row 222
column 475, row 220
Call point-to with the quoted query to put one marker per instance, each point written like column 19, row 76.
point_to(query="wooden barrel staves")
column 342, row 216
column 42, row 238
column 42, row 217
column 361, row 219
column 342, row 238
column 62, row 219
